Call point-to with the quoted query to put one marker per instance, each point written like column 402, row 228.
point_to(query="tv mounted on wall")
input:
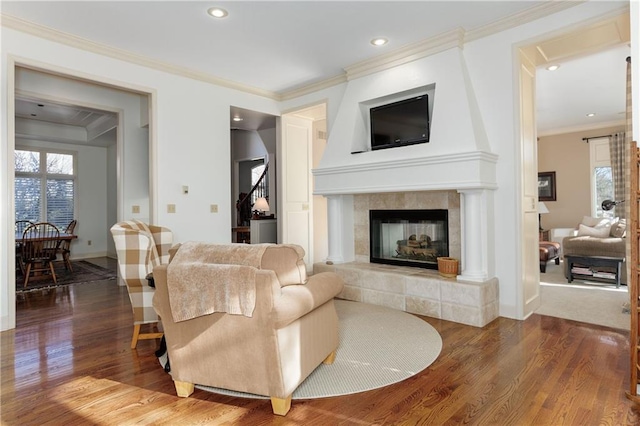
column 401, row 123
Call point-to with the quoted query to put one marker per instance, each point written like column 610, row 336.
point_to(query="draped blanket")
column 207, row 278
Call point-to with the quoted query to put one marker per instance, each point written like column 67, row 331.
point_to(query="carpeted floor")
column 83, row 272
column 378, row 347
column 584, row 301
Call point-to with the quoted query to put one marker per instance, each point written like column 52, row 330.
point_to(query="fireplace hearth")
column 408, row 237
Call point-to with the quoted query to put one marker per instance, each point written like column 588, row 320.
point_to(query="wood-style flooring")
column 68, row 362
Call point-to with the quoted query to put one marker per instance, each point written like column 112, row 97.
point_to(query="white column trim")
column 474, row 236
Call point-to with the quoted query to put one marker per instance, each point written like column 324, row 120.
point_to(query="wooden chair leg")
column 183, row 389
column 67, row 262
column 136, row 333
column 281, row 406
column 26, row 274
column 330, row 358
column 53, row 273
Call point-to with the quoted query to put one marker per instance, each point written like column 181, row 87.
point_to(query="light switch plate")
column 214, row 208
column 171, row 208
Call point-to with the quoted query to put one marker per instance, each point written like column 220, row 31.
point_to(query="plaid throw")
column 140, row 247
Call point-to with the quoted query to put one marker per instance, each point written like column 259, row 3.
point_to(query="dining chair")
column 20, row 226
column 40, row 243
column 65, row 246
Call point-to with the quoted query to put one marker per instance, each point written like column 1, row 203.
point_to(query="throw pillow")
column 593, row 222
column 599, row 232
column 619, row 229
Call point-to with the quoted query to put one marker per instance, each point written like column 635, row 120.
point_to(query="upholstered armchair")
column 245, row 318
column 140, row 247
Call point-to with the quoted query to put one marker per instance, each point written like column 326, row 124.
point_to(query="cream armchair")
column 246, row 318
column 140, row 247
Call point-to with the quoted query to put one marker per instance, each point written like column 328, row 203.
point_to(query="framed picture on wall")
column 547, row 186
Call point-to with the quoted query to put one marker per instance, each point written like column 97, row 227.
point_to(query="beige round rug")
column 378, row 347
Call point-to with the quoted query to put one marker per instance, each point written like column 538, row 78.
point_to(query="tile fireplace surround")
column 416, row 290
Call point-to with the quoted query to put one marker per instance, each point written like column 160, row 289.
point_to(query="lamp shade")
column 542, row 208
column 261, row 205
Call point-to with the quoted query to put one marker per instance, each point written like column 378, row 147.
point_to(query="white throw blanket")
column 207, row 278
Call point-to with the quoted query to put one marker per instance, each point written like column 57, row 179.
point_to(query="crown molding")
column 454, row 38
column 408, row 53
column 444, row 41
column 520, row 18
column 583, row 128
column 310, row 88
column 47, row 33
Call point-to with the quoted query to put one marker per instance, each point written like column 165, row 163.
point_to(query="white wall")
column 190, row 143
column 489, row 65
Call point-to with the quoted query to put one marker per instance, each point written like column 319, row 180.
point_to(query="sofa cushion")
column 619, row 229
column 593, row 222
column 600, row 231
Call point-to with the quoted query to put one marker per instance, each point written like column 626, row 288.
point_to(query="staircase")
column 244, row 206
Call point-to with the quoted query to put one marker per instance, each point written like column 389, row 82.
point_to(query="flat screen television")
column 401, row 123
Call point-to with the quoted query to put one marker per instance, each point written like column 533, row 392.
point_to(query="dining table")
column 20, row 239
column 62, row 237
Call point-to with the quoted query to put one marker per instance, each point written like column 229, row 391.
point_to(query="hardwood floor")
column 68, row 362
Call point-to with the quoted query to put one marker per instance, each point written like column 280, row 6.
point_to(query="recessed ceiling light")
column 553, row 67
column 591, row 114
column 217, row 12
column 379, row 41
column 237, row 119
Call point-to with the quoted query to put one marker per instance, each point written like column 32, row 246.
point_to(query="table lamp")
column 261, row 205
column 542, row 209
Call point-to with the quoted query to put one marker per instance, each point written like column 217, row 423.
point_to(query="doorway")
column 114, row 141
column 532, row 57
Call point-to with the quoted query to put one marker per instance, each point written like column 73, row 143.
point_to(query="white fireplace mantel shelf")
column 465, row 170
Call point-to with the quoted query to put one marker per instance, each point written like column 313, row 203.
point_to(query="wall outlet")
column 171, row 208
column 214, row 208
column 135, row 209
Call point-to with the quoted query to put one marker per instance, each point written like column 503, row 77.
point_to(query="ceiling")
column 281, row 46
column 51, row 112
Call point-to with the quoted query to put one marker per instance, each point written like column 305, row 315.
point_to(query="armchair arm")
column 298, row 300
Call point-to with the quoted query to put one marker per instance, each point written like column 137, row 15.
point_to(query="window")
column 256, row 173
column 601, row 176
column 49, row 173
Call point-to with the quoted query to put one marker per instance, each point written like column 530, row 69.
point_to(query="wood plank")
column 69, row 362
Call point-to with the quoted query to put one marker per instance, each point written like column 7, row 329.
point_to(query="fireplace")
column 408, row 237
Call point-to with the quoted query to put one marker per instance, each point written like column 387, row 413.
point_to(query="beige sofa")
column 597, row 237
column 266, row 344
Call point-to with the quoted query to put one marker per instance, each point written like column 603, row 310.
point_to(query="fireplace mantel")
column 466, row 170
column 471, row 174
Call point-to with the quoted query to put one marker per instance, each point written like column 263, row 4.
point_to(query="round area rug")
column 378, row 347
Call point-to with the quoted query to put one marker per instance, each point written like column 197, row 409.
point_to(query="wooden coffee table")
column 593, row 262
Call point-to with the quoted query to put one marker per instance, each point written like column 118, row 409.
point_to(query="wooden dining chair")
column 21, row 225
column 40, row 243
column 65, row 246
